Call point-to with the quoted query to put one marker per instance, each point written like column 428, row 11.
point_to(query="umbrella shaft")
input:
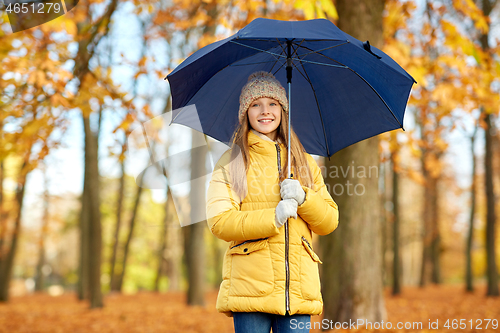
column 289, row 123
column 289, row 63
column 289, row 81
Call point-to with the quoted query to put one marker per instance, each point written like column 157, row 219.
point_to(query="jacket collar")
column 261, row 143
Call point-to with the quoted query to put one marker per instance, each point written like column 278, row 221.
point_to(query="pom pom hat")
column 261, row 84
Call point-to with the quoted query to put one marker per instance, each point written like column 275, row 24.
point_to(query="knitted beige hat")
column 261, row 84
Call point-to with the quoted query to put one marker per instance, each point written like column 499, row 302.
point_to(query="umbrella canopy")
column 343, row 90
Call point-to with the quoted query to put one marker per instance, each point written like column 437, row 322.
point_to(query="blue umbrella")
column 344, row 90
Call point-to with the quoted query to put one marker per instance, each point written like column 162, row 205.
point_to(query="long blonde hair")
column 240, row 161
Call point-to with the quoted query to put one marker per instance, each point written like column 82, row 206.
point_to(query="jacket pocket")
column 251, row 268
column 309, row 273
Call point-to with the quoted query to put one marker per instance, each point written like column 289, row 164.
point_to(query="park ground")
column 147, row 312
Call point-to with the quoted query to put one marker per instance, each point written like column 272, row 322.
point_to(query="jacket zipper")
column 248, row 241
column 287, row 269
column 305, row 240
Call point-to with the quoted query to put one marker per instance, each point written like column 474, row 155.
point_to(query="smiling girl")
column 270, row 269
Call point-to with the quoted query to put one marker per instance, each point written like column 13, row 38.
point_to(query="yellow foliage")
column 58, row 99
column 398, row 51
column 40, row 79
column 433, row 165
column 445, row 95
column 307, row 7
column 397, row 14
column 12, row 163
column 317, row 9
column 470, row 9
column 440, row 144
column 418, row 73
column 329, row 8
column 69, row 25
column 416, row 176
column 126, row 122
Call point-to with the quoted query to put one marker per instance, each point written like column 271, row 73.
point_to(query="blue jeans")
column 260, row 322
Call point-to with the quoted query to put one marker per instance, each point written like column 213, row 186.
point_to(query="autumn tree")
column 34, row 97
column 487, row 63
column 455, row 74
column 469, row 285
column 352, row 278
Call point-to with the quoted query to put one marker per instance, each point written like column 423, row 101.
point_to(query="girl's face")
column 264, row 115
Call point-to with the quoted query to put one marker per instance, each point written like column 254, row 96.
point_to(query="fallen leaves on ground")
column 148, row 312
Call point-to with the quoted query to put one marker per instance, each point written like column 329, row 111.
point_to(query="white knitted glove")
column 285, row 209
column 291, row 189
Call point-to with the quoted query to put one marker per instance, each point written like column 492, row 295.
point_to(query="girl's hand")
column 284, row 210
column 291, row 189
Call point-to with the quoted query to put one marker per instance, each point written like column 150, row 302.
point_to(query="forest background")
column 73, row 218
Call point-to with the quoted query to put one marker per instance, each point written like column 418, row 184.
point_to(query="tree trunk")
column 3, row 222
column 130, row 234
column 173, row 237
column 491, row 267
column 384, row 223
column 7, row 264
column 468, row 252
column 173, row 250
column 492, row 272
column 40, row 278
column 90, row 34
column 218, row 255
column 163, row 241
column 83, row 267
column 431, row 240
column 119, row 204
column 195, row 242
column 93, row 215
column 39, row 281
column 133, row 218
column 436, row 236
column 396, row 268
column 352, row 271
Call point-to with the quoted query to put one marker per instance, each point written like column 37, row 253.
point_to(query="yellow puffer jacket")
column 266, row 269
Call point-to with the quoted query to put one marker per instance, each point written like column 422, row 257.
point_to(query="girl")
column 270, row 270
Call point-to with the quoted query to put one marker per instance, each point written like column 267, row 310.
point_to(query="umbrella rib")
column 275, row 65
column 254, row 63
column 220, row 70
column 278, row 69
column 314, row 92
column 251, row 55
column 326, row 48
column 327, row 57
column 282, row 49
column 269, row 40
column 282, row 56
column 319, row 110
column 298, row 70
column 320, row 63
column 294, row 52
column 376, row 92
column 255, row 48
column 362, row 78
column 282, row 64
